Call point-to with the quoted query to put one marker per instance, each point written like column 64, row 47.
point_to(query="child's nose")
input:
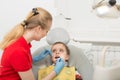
column 57, row 52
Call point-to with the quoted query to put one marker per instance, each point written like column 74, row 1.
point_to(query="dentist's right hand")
column 59, row 65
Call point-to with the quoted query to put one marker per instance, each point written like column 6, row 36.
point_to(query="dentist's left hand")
column 42, row 55
column 59, row 65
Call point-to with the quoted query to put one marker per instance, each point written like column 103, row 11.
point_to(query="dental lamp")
column 107, row 9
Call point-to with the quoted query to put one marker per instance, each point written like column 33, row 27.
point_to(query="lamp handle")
column 102, row 56
column 98, row 4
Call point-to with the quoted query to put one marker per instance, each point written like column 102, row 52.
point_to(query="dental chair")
column 106, row 73
column 77, row 57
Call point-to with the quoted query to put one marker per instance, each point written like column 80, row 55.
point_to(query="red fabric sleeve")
column 78, row 77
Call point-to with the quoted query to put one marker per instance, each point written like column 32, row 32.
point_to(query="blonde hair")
column 37, row 16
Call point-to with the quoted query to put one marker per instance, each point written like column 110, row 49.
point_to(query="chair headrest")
column 57, row 35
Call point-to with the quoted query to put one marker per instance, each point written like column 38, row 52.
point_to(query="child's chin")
column 54, row 62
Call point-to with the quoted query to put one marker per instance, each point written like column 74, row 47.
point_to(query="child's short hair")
column 66, row 47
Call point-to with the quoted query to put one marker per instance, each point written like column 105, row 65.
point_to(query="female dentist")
column 16, row 60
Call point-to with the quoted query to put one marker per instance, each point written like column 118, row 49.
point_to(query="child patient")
column 59, row 70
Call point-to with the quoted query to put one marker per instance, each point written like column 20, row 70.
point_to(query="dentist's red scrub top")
column 15, row 58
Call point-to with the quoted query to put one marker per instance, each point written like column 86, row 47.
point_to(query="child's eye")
column 61, row 50
column 53, row 50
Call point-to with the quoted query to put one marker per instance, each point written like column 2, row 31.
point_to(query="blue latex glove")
column 59, row 65
column 42, row 55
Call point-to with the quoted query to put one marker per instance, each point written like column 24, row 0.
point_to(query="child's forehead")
column 58, row 45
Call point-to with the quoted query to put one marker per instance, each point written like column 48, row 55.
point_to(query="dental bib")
column 67, row 73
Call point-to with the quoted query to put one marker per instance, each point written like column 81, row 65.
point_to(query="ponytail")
column 37, row 16
column 11, row 36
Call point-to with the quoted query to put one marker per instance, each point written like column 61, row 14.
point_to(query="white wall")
column 85, row 25
column 15, row 11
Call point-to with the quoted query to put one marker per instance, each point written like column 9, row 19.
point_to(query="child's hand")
column 59, row 65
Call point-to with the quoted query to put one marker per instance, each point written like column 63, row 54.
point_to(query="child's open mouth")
column 57, row 57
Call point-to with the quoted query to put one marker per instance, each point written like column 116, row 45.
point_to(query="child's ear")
column 67, row 57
